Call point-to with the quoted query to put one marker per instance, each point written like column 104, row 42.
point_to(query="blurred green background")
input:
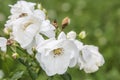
column 99, row 18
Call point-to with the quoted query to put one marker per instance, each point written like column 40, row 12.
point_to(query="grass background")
column 99, row 18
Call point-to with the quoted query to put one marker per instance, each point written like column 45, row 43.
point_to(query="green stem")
column 66, row 76
column 32, row 74
column 30, row 67
column 50, row 78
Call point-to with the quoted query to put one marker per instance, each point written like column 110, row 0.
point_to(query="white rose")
column 55, row 56
column 22, row 7
column 90, row 59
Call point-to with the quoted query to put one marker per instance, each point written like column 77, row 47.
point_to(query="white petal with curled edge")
column 39, row 14
column 49, row 34
column 46, row 26
column 47, row 29
column 62, row 35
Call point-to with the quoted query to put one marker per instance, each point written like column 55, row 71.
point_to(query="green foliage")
column 99, row 18
column 17, row 75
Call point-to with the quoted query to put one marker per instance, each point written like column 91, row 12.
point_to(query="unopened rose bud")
column 82, row 34
column 39, row 6
column 71, row 35
column 65, row 22
column 15, row 55
column 54, row 23
column 10, row 41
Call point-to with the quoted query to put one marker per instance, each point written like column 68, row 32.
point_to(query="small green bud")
column 7, row 31
column 34, row 49
column 15, row 55
column 82, row 34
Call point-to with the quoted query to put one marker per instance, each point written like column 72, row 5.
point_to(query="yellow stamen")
column 57, row 51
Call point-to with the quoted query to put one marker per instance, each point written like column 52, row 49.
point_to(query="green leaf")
column 42, row 76
column 32, row 73
column 17, row 75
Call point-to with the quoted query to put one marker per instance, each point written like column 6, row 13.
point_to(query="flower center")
column 58, row 51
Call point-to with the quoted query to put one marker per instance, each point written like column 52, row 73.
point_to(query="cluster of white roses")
column 28, row 25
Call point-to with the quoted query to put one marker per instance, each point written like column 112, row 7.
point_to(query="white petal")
column 39, row 14
column 62, row 35
column 23, row 39
column 72, row 50
column 3, row 43
column 49, row 34
column 4, row 48
column 22, row 7
column 30, row 47
column 46, row 26
column 47, row 45
column 46, row 63
column 32, row 29
column 79, row 44
column 91, row 68
column 47, row 29
column 39, row 39
column 68, row 58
